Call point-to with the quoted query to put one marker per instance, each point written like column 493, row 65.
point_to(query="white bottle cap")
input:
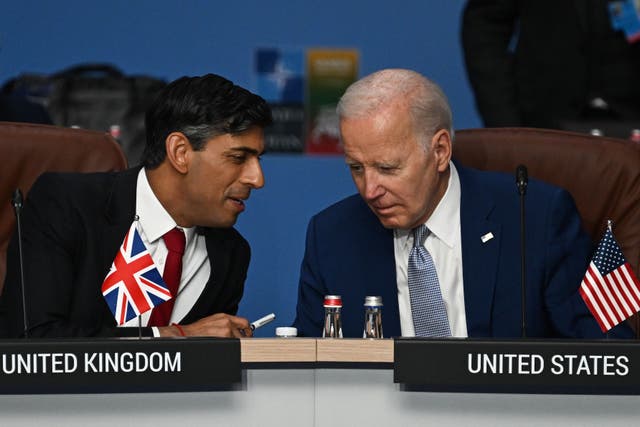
column 286, row 331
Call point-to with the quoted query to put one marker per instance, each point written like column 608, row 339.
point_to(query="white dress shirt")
column 153, row 222
column 445, row 246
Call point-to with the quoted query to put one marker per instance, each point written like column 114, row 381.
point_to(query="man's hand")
column 216, row 325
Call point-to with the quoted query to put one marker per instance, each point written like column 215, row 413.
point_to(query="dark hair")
column 201, row 108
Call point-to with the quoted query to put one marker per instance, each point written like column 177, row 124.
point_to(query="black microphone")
column 522, row 180
column 16, row 201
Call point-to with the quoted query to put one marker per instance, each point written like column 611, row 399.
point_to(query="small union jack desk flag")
column 133, row 285
column 610, row 288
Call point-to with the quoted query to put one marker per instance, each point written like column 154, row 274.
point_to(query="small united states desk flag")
column 133, row 285
column 610, row 288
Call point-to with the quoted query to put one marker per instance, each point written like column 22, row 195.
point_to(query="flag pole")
column 136, row 219
column 610, row 228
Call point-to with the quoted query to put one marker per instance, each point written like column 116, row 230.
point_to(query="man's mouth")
column 382, row 209
column 238, row 202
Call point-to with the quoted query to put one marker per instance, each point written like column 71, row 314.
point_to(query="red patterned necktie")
column 175, row 241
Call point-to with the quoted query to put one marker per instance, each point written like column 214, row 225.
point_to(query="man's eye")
column 355, row 168
column 239, row 158
column 387, row 169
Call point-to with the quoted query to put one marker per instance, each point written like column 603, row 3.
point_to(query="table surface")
column 347, row 350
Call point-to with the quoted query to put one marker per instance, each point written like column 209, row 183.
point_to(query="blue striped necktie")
column 427, row 306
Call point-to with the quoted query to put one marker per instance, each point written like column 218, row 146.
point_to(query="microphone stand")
column 16, row 201
column 521, row 182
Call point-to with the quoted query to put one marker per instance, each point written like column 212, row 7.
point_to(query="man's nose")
column 372, row 186
column 253, row 175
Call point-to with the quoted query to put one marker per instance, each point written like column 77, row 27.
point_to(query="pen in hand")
column 262, row 321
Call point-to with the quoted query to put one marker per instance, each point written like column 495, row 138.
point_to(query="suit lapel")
column 481, row 241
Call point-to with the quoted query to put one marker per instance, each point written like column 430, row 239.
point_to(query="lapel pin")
column 486, row 237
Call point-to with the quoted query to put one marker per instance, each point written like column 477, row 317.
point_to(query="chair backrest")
column 28, row 150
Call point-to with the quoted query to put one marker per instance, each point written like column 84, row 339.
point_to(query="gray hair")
column 427, row 103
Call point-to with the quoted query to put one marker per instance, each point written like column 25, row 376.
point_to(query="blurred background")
column 167, row 39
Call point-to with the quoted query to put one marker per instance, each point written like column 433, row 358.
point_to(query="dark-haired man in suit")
column 201, row 161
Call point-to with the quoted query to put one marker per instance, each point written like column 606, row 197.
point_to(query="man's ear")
column 441, row 147
column 178, row 151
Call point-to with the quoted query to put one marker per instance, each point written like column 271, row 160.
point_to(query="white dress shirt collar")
column 440, row 222
column 153, row 218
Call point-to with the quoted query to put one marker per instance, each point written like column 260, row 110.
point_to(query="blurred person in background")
column 561, row 64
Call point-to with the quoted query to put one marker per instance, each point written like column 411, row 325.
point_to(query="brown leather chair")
column 28, row 150
column 602, row 174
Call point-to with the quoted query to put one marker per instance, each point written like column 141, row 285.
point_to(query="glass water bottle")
column 332, row 317
column 372, row 317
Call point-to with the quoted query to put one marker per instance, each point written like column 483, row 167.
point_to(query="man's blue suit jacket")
column 349, row 253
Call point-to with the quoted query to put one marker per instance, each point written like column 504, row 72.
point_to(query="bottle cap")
column 332, row 301
column 373, row 301
column 286, row 331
